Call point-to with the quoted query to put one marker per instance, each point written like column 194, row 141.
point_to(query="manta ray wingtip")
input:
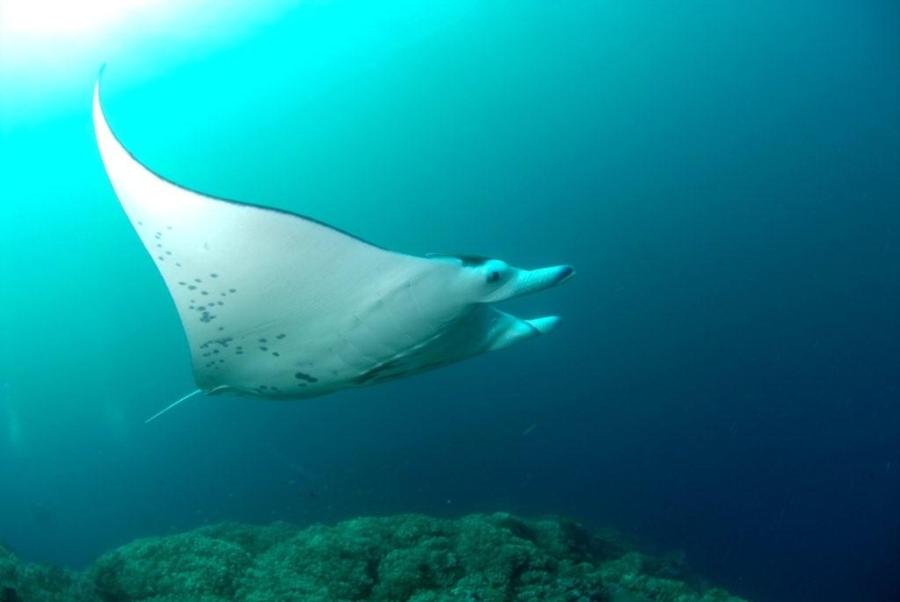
column 100, row 73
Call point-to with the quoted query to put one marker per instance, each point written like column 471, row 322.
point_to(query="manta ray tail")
column 172, row 405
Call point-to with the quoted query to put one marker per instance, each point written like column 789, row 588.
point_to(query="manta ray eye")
column 493, row 276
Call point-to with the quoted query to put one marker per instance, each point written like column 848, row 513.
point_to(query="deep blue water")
column 724, row 176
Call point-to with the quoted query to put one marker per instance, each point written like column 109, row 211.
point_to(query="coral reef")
column 485, row 558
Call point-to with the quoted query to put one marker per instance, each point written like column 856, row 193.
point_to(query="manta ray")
column 279, row 305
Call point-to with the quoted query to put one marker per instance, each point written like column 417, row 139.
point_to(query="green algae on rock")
column 485, row 558
column 24, row 582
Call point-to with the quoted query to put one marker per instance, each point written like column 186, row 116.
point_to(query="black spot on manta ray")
column 223, row 342
column 306, row 377
column 281, row 336
column 276, row 354
column 213, row 275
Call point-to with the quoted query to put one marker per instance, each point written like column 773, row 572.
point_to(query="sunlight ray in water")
column 54, row 18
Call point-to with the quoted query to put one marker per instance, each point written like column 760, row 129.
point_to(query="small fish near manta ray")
column 282, row 306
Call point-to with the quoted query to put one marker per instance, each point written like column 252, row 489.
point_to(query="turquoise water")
column 723, row 176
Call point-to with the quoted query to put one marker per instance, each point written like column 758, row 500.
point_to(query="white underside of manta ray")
column 281, row 306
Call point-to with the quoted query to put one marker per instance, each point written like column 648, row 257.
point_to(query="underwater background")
column 724, row 176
